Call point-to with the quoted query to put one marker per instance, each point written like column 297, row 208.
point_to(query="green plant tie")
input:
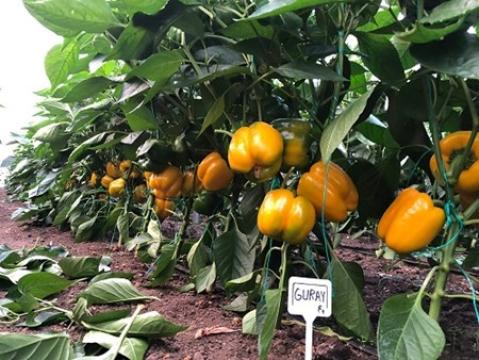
column 451, row 217
column 473, row 290
column 275, row 183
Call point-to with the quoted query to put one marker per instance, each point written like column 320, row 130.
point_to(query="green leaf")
column 205, row 279
column 105, row 316
column 132, row 43
column 278, row 7
column 303, row 70
column 381, row 57
column 60, row 61
column 337, row 130
column 233, row 255
column 244, row 283
column 138, row 116
column 349, row 309
column 35, row 347
column 131, row 348
column 214, row 113
column 450, row 10
column 111, row 291
column 80, row 267
column 421, row 33
column 123, row 227
column 243, row 30
column 158, row 67
column 165, row 263
column 150, row 325
column 266, row 333
column 461, row 58
column 43, row 318
column 87, row 88
column 405, row 331
column 149, row 7
column 69, row 17
column 110, row 275
column 42, row 284
column 249, row 323
column 198, row 256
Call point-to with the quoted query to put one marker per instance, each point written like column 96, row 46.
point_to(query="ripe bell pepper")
column 93, row 180
column 297, row 140
column 166, row 184
column 163, row 208
column 256, row 151
column 214, row 173
column 106, row 181
column 330, row 179
column 286, row 217
column 191, row 184
column 411, row 222
column 112, row 170
column 117, row 187
column 451, row 146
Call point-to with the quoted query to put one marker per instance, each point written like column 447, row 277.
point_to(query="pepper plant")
column 287, row 124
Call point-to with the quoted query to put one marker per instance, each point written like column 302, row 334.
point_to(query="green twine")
column 473, row 290
column 275, row 183
column 451, row 218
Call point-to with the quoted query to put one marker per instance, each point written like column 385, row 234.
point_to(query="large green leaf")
column 87, row 89
column 132, row 43
column 149, row 7
column 111, row 291
column 214, row 113
column 278, row 7
column 460, row 59
column 380, row 56
column 337, row 130
column 266, row 331
column 80, row 267
column 450, row 10
column 150, row 324
column 159, row 67
column 42, row 284
column 67, row 17
column 35, row 347
column 131, row 348
column 60, row 61
column 233, row 255
column 421, row 34
column 406, row 332
column 205, row 279
column 139, row 117
column 349, row 309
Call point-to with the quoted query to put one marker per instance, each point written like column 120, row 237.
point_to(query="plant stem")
column 443, row 272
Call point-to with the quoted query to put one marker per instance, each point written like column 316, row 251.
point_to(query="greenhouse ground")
column 203, row 312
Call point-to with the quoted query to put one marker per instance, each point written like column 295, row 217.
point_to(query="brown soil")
column 205, row 310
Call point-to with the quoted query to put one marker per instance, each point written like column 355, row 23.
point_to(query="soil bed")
column 205, row 310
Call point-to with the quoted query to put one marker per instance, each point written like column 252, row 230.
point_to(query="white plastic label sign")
column 310, row 298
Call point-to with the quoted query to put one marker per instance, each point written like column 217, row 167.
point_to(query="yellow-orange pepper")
column 140, row 193
column 93, row 179
column 286, row 217
column 117, row 187
column 112, row 170
column 163, row 208
column 297, row 139
column 256, row 151
column 167, row 184
column 411, row 222
column 106, row 181
column 124, row 166
column 191, row 184
column 214, row 173
column 451, row 146
column 330, row 179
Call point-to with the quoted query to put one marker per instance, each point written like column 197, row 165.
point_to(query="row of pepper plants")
column 286, row 124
